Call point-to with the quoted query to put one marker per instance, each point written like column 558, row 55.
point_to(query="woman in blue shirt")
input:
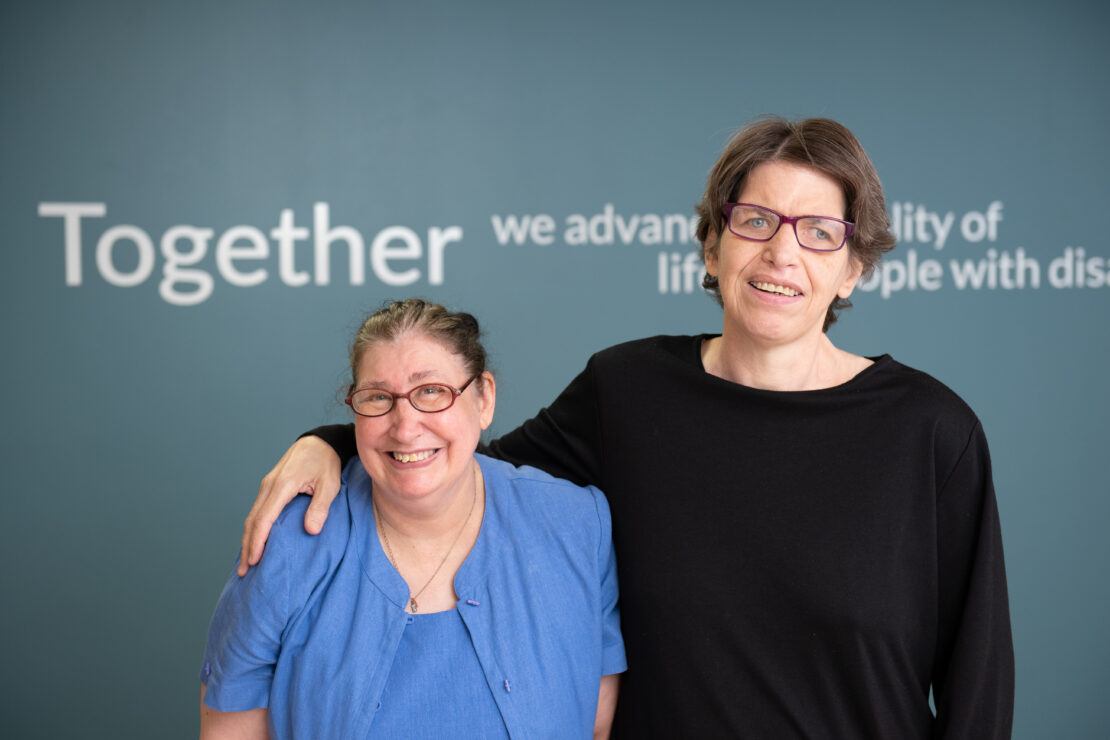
column 458, row 597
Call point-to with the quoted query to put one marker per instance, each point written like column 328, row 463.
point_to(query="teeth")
column 772, row 288
column 406, row 457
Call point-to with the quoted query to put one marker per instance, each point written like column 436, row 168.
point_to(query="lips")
column 412, row 457
column 784, row 289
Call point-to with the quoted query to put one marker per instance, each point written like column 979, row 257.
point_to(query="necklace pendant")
column 412, row 605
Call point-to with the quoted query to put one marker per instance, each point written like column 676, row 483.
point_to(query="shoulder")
column 289, row 531
column 650, row 355
column 307, row 555
column 530, row 495
column 662, row 345
column 525, row 479
column 922, row 388
column 919, row 398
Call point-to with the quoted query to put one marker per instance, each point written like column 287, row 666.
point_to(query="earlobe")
column 850, row 281
column 710, row 253
column 846, row 288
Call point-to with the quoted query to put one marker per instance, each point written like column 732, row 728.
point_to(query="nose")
column 783, row 248
column 406, row 423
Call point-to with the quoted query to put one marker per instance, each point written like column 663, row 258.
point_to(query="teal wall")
column 136, row 429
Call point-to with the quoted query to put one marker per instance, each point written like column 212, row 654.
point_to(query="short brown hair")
column 822, row 144
column 457, row 331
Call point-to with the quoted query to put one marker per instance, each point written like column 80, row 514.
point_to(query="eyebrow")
column 415, row 377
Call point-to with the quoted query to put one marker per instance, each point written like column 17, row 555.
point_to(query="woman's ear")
column 855, row 270
column 710, row 248
column 487, row 399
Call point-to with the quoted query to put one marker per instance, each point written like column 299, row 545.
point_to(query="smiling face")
column 776, row 292
column 412, row 455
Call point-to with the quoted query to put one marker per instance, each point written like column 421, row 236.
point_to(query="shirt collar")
column 376, row 565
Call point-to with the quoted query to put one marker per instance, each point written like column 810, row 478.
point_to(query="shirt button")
column 473, row 602
column 207, row 670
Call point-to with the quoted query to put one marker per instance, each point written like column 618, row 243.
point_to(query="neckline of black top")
column 693, row 358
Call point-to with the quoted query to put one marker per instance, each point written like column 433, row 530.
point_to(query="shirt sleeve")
column 341, row 437
column 563, row 439
column 612, row 643
column 244, row 638
column 973, row 671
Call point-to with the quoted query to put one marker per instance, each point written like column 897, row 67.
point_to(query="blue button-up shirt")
column 312, row 631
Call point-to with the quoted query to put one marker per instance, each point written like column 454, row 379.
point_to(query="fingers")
column 266, row 512
column 324, row 493
column 317, row 514
column 310, row 466
column 264, row 489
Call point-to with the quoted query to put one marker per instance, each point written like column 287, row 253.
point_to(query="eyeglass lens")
column 428, row 398
column 813, row 232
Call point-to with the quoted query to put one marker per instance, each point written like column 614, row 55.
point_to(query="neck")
column 809, row 363
column 434, row 517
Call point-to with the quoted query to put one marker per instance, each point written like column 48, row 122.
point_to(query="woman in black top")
column 807, row 540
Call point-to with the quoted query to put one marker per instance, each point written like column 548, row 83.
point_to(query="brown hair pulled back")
column 456, row 330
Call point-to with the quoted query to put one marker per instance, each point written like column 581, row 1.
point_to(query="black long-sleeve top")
column 792, row 564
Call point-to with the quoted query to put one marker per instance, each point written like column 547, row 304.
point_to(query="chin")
column 415, row 493
column 777, row 329
column 769, row 331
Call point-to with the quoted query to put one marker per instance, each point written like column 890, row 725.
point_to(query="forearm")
column 341, row 438
column 973, row 684
column 606, row 706
column 563, row 439
column 248, row 725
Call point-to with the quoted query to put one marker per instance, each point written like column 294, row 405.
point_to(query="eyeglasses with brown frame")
column 430, row 398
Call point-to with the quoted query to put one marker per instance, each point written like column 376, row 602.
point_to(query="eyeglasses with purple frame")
column 849, row 227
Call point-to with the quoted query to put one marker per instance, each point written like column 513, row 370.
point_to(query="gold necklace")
column 413, row 606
